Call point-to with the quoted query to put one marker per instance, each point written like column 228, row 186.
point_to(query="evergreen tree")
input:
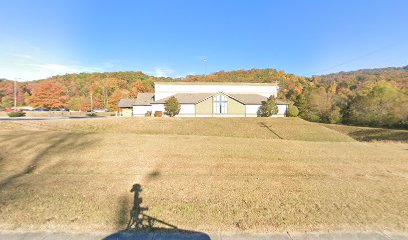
column 172, row 107
column 269, row 107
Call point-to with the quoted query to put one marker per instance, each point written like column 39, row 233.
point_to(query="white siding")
column 166, row 90
column 187, row 109
column 282, row 109
column 252, row 110
column 126, row 112
column 141, row 110
column 157, row 107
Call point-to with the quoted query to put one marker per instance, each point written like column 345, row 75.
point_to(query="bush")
column 158, row 114
column 172, row 107
column 293, row 111
column 314, row 118
column 91, row 114
column 148, row 114
column 16, row 114
column 269, row 107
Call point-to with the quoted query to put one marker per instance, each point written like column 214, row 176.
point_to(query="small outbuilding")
column 126, row 107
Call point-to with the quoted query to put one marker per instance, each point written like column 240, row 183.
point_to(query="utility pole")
column 91, row 101
column 15, row 94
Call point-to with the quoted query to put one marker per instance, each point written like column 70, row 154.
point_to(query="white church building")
column 205, row 99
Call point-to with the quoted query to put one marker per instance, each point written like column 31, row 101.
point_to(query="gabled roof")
column 188, row 98
column 194, row 98
column 144, row 99
column 252, row 99
column 126, row 102
column 217, row 83
column 248, row 98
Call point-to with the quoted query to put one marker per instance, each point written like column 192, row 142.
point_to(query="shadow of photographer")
column 142, row 226
column 138, row 218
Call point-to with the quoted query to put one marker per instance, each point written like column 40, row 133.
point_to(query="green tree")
column 269, row 107
column 172, row 106
column 74, row 104
column 302, row 105
column 293, row 111
column 382, row 104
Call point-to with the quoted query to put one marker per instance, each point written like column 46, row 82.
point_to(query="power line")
column 361, row 56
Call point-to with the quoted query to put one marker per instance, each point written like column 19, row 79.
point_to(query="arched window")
column 220, row 104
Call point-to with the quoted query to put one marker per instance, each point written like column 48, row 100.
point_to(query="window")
column 220, row 104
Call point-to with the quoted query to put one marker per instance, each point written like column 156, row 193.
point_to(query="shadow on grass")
column 264, row 125
column 143, row 226
column 57, row 143
column 380, row 135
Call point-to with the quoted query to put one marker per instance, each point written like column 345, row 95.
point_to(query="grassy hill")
column 196, row 174
column 370, row 134
column 265, row 128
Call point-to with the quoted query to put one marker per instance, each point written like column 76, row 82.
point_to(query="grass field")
column 370, row 134
column 199, row 174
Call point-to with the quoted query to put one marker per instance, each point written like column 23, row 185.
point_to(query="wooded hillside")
column 375, row 97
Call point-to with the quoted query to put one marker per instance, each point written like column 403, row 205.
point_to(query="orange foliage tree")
column 48, row 94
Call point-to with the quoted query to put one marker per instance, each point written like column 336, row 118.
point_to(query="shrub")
column 148, row 114
column 158, row 114
column 314, row 118
column 91, row 114
column 335, row 116
column 293, row 111
column 269, row 107
column 16, row 114
column 172, row 107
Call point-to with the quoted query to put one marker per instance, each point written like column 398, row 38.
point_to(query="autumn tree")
column 381, row 104
column 137, row 87
column 115, row 97
column 48, row 94
column 318, row 105
column 7, row 93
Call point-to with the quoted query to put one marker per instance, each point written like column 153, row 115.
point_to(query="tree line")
column 372, row 97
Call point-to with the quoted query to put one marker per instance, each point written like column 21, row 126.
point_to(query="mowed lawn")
column 255, row 175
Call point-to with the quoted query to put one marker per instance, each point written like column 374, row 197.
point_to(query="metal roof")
column 217, row 83
column 253, row 99
column 126, row 102
column 193, row 98
column 144, row 99
column 187, row 98
column 248, row 98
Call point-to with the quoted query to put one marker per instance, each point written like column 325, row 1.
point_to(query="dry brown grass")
column 265, row 128
column 368, row 134
column 80, row 180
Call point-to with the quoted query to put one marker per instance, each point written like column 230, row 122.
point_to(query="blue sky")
column 175, row 38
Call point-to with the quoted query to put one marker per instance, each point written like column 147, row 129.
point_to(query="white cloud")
column 21, row 60
column 202, row 58
column 33, row 71
column 163, row 72
column 23, row 56
column 191, row 73
column 62, row 69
